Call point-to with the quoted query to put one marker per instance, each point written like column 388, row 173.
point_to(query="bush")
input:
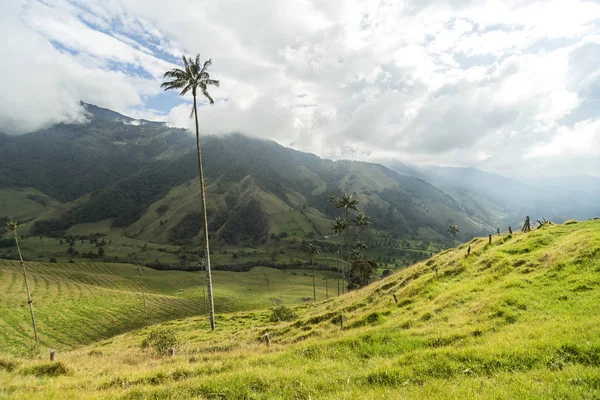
column 571, row 222
column 160, row 340
column 282, row 313
column 7, row 365
column 46, row 369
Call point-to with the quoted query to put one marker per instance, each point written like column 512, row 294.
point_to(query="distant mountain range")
column 142, row 176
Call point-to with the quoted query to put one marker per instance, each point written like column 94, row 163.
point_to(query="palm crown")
column 361, row 219
column 453, row 229
column 313, row 248
column 346, row 202
column 192, row 77
column 339, row 224
column 12, row 226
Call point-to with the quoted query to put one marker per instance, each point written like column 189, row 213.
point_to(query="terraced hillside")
column 518, row 318
column 81, row 303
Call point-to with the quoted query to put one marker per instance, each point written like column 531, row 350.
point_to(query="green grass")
column 81, row 303
column 516, row 319
column 24, row 203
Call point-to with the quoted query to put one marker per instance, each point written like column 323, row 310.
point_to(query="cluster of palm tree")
column 342, row 224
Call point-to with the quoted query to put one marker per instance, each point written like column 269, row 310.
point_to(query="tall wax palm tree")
column 314, row 250
column 453, row 229
column 347, row 203
column 195, row 78
column 333, row 199
column 339, row 225
column 13, row 227
column 361, row 220
column 139, row 271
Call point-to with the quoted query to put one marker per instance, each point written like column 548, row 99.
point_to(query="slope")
column 80, row 303
column 517, row 318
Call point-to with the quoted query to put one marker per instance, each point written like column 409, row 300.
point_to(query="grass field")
column 515, row 319
column 81, row 303
column 24, row 203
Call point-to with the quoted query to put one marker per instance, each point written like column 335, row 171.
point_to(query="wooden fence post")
column 498, row 229
column 395, row 298
column 341, row 321
column 468, row 250
column 490, row 238
column 267, row 340
column 52, row 354
column 510, row 230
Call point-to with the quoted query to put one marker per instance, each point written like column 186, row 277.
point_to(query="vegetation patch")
column 46, row 369
column 7, row 365
column 282, row 313
column 160, row 340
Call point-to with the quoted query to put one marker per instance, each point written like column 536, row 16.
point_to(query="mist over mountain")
column 141, row 176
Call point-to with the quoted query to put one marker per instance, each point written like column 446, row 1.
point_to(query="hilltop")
column 517, row 318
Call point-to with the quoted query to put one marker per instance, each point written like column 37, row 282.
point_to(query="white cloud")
column 490, row 83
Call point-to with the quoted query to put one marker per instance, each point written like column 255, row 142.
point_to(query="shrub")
column 282, row 313
column 7, row 365
column 160, row 340
column 46, row 369
column 571, row 222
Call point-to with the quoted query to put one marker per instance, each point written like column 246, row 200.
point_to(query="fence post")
column 52, row 354
column 395, row 298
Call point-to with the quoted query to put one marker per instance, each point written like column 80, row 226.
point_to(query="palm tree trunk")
column 337, row 259
column 143, row 294
column 29, row 301
column 211, row 305
column 312, row 261
column 347, row 248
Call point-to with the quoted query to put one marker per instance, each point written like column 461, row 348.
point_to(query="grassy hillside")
column 24, row 203
column 81, row 303
column 515, row 319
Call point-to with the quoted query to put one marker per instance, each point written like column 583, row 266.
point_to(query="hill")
column 81, row 303
column 517, row 318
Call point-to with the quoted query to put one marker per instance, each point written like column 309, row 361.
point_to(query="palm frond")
column 206, row 65
column 211, row 82
column 175, row 73
column 175, row 84
column 190, row 86
column 205, row 93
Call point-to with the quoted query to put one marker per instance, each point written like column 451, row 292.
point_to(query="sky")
column 508, row 86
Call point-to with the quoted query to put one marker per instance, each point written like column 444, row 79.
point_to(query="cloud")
column 43, row 83
column 492, row 84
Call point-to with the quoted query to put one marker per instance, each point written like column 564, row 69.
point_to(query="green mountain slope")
column 517, row 318
column 127, row 170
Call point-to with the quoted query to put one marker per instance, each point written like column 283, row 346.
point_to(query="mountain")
column 143, row 178
column 94, row 111
column 504, row 201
